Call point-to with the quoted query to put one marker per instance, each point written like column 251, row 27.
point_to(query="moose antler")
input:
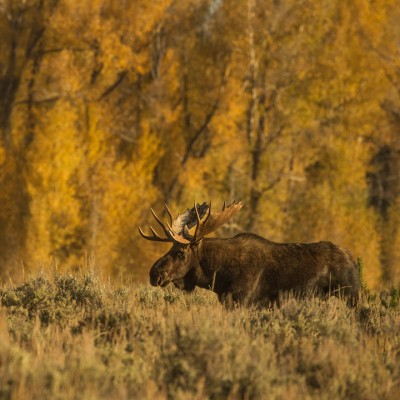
column 177, row 230
column 214, row 220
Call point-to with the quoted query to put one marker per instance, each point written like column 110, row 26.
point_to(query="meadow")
column 78, row 336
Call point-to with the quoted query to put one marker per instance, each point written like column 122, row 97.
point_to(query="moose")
column 247, row 269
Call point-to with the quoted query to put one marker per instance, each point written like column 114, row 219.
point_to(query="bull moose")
column 246, row 268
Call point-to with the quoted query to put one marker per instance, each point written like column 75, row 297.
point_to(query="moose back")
column 247, row 268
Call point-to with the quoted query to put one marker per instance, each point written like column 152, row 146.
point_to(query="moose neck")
column 214, row 261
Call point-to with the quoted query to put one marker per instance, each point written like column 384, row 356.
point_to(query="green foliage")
column 395, row 297
column 360, row 264
column 390, row 298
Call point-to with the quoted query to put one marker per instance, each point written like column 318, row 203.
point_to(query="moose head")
column 181, row 265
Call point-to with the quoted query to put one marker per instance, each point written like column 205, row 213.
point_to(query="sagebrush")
column 75, row 336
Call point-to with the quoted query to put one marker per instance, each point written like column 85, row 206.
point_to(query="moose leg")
column 226, row 300
column 231, row 300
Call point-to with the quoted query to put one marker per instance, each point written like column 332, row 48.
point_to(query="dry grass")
column 74, row 337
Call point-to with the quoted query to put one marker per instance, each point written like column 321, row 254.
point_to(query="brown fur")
column 249, row 269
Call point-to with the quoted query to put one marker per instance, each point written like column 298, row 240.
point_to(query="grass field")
column 77, row 337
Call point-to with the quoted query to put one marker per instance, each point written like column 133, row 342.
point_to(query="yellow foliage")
column 111, row 107
column 56, row 223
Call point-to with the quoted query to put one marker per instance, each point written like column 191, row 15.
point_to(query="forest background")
column 110, row 107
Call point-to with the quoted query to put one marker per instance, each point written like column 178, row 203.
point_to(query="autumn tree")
column 108, row 108
column 22, row 25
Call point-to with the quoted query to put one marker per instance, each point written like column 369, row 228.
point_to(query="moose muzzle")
column 159, row 273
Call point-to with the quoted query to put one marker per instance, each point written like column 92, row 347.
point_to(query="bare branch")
column 121, row 76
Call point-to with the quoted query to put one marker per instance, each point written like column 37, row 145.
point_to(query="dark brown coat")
column 252, row 270
column 247, row 268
